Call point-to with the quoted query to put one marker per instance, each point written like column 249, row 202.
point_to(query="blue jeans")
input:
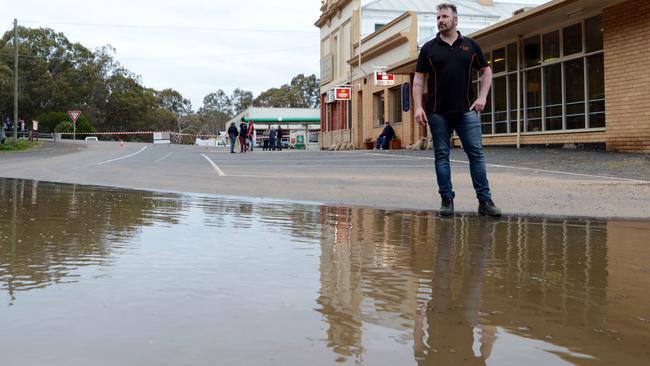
column 233, row 138
column 382, row 143
column 468, row 128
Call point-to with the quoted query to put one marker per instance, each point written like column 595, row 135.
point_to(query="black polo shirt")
column 449, row 69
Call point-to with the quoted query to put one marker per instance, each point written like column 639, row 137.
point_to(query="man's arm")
column 486, row 83
column 418, row 94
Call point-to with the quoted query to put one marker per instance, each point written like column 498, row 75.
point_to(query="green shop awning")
column 308, row 120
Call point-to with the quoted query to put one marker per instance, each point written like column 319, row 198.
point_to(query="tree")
column 241, row 99
column 173, row 101
column 306, row 90
column 218, row 101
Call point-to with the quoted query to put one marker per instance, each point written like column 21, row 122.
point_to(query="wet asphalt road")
column 533, row 182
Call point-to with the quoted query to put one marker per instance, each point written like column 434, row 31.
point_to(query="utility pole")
column 15, row 81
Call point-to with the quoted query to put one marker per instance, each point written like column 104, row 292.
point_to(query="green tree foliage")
column 241, row 99
column 47, row 122
column 83, row 126
column 302, row 92
column 57, row 75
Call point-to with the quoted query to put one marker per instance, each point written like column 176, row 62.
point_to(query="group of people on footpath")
column 8, row 129
column 271, row 138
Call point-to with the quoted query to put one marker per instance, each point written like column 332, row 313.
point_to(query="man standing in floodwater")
column 448, row 60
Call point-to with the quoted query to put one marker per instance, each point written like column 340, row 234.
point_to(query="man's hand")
column 478, row 105
column 420, row 116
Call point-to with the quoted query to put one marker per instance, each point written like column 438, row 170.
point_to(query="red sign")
column 74, row 115
column 384, row 78
column 343, row 93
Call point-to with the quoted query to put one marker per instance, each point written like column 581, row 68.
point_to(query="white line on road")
column 123, row 157
column 163, row 158
column 219, row 171
column 521, row 168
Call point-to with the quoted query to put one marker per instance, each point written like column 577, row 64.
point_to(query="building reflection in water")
column 389, row 287
column 471, row 290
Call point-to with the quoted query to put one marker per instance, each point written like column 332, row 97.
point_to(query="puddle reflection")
column 170, row 279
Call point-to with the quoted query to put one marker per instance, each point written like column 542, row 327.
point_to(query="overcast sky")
column 193, row 46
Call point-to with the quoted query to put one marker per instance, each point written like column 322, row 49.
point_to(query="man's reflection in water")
column 447, row 330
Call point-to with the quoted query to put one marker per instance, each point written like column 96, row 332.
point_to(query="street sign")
column 384, row 78
column 343, row 93
column 74, row 115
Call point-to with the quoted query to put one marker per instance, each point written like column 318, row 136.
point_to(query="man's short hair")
column 453, row 8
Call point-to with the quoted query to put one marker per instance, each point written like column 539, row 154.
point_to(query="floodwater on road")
column 102, row 276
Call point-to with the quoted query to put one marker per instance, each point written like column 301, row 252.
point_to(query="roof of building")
column 261, row 113
column 466, row 8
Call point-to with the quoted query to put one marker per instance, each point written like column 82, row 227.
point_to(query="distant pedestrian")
column 448, row 59
column 243, row 137
column 265, row 140
column 280, row 132
column 232, row 135
column 251, row 134
column 272, row 135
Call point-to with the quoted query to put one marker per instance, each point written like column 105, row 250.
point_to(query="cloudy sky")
column 193, row 46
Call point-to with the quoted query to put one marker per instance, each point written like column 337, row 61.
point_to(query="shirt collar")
column 439, row 39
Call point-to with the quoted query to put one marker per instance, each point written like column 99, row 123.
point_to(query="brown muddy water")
column 99, row 276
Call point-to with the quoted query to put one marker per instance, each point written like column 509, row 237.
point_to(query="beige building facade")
column 580, row 68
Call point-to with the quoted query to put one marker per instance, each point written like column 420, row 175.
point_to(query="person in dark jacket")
column 272, row 135
column 386, row 135
column 232, row 135
column 243, row 137
column 280, row 137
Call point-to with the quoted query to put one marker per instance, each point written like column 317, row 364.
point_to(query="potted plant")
column 395, row 143
column 369, row 143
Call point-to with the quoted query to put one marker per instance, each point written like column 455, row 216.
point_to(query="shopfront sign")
column 384, row 78
column 343, row 93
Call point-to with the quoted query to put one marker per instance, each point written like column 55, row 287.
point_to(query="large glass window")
column 596, row 87
column 396, row 104
column 572, row 37
column 553, row 97
column 500, row 105
column 533, row 100
column 379, row 108
column 512, row 99
column 499, row 60
column 512, row 56
column 551, row 43
column 486, row 116
column 561, row 88
column 531, row 51
column 574, row 90
column 594, row 33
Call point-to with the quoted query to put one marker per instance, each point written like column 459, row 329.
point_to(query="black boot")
column 447, row 207
column 487, row 208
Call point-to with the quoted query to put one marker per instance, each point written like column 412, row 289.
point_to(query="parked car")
column 92, row 138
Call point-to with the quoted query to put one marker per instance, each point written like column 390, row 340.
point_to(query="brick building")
column 581, row 66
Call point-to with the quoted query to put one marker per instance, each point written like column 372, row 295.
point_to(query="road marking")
column 123, row 157
column 521, row 168
column 163, row 158
column 219, row 171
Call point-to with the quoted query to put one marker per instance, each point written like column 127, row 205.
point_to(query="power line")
column 166, row 27
column 63, row 58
